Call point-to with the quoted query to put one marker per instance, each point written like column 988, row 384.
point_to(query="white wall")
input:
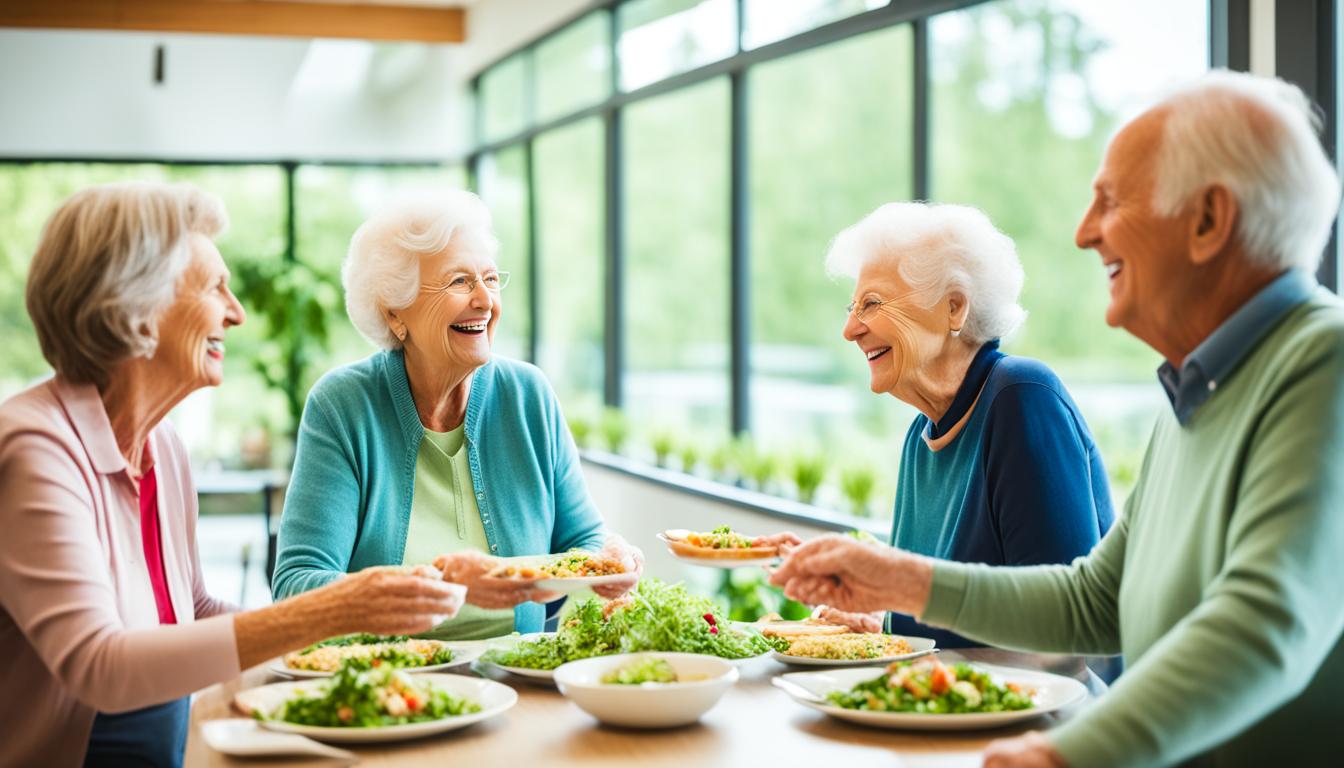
column 497, row 27
column 65, row 93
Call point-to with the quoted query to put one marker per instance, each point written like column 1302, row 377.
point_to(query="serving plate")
column 685, row 553
column 463, row 653
column 562, row 586
column 1053, row 692
column 494, row 698
column 920, row 646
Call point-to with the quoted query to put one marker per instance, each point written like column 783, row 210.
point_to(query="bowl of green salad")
column 646, row 690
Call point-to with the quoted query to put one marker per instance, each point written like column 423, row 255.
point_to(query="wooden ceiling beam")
column 243, row 17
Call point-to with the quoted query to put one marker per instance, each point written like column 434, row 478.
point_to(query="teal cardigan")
column 348, row 505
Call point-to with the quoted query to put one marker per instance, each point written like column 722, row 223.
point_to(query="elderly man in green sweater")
column 1220, row 584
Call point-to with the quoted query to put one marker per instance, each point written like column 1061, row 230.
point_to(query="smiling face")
column 899, row 338
column 446, row 328
column 1143, row 253
column 191, row 330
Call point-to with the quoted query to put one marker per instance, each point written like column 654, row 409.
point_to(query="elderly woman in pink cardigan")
column 105, row 623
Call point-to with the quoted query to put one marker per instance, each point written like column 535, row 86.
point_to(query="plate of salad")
column 366, row 651
column 371, row 705
column 720, row 548
column 926, row 694
column 654, row 616
column 564, row 573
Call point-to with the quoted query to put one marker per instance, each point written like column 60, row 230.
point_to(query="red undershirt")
column 149, row 536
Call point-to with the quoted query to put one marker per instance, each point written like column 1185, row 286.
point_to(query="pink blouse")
column 79, row 625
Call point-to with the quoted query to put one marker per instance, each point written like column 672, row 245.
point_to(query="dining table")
column 754, row 724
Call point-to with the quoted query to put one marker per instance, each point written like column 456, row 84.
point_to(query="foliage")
column 808, row 472
column 749, row 596
column 856, row 483
column 664, row 444
column 689, row 454
column 582, row 430
column 615, row 429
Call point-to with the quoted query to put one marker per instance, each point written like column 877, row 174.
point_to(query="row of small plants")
column 735, row 461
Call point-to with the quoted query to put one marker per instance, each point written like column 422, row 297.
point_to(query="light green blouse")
column 445, row 519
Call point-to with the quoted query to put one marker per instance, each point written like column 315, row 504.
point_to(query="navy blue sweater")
column 1021, row 484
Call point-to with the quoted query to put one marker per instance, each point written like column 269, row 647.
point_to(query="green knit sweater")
column 1221, row 584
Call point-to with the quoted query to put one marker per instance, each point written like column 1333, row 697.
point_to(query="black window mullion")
column 739, row 253
column 531, row 258
column 920, row 149
column 1230, row 34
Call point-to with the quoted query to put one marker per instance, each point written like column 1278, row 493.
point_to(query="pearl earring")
column 956, row 332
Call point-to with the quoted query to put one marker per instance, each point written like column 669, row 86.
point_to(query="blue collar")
column 1218, row 356
column 971, row 384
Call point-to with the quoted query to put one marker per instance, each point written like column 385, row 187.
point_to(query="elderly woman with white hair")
column 434, row 449
column 106, row 626
column 999, row 466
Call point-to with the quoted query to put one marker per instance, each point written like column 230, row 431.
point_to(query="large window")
column 750, row 133
column 846, row 150
column 570, row 203
column 676, row 246
column 1025, row 95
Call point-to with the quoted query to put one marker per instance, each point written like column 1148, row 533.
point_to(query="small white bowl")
column 648, row 705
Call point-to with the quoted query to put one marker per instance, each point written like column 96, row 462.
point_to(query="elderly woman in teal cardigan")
column 434, row 450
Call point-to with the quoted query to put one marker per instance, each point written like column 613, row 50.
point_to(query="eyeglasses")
column 465, row 284
column 863, row 310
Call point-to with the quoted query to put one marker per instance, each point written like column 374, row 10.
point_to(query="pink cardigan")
column 79, row 630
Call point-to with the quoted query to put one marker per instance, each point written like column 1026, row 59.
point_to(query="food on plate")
column 364, row 651
column 855, row 646
column 927, row 686
column 653, row 617
column 773, row 625
column 721, row 543
column 645, row 670
column 571, row 565
column 367, row 698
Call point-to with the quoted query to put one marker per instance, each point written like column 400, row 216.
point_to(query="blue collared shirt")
column 1218, row 356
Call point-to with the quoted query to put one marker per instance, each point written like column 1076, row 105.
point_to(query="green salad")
column 926, row 686
column 652, row 617
column 366, row 698
column 646, row 670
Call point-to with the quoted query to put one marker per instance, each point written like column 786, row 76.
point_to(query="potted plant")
column 690, row 456
column 664, row 443
column 808, row 471
column 582, row 430
column 615, row 429
column 722, row 462
column 856, row 483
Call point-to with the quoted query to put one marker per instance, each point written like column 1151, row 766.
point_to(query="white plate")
column 493, row 697
column 722, row 562
column 920, row 646
column 463, row 653
column 1053, row 692
column 246, row 738
column 562, row 586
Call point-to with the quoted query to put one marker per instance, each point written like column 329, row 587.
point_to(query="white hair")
column 106, row 268
column 936, row 249
column 1258, row 137
column 382, row 269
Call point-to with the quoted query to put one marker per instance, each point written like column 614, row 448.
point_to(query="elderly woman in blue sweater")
column 999, row 466
column 434, row 450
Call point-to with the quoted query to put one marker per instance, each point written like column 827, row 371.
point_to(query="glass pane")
column 771, row 20
column 569, row 176
column 503, row 181
column 676, row 290
column 846, row 151
column 212, row 421
column 660, row 38
column 1028, row 92
column 503, row 99
column 574, row 68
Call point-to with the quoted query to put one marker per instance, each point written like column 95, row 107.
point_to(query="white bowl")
column 648, row 705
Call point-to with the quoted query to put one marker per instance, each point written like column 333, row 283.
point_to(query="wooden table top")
column 753, row 724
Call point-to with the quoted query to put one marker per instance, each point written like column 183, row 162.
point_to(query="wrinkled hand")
column 1030, row 750
column 785, row 541
column 857, row 622
column 853, row 576
column 470, row 568
column 393, row 600
column 617, row 548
